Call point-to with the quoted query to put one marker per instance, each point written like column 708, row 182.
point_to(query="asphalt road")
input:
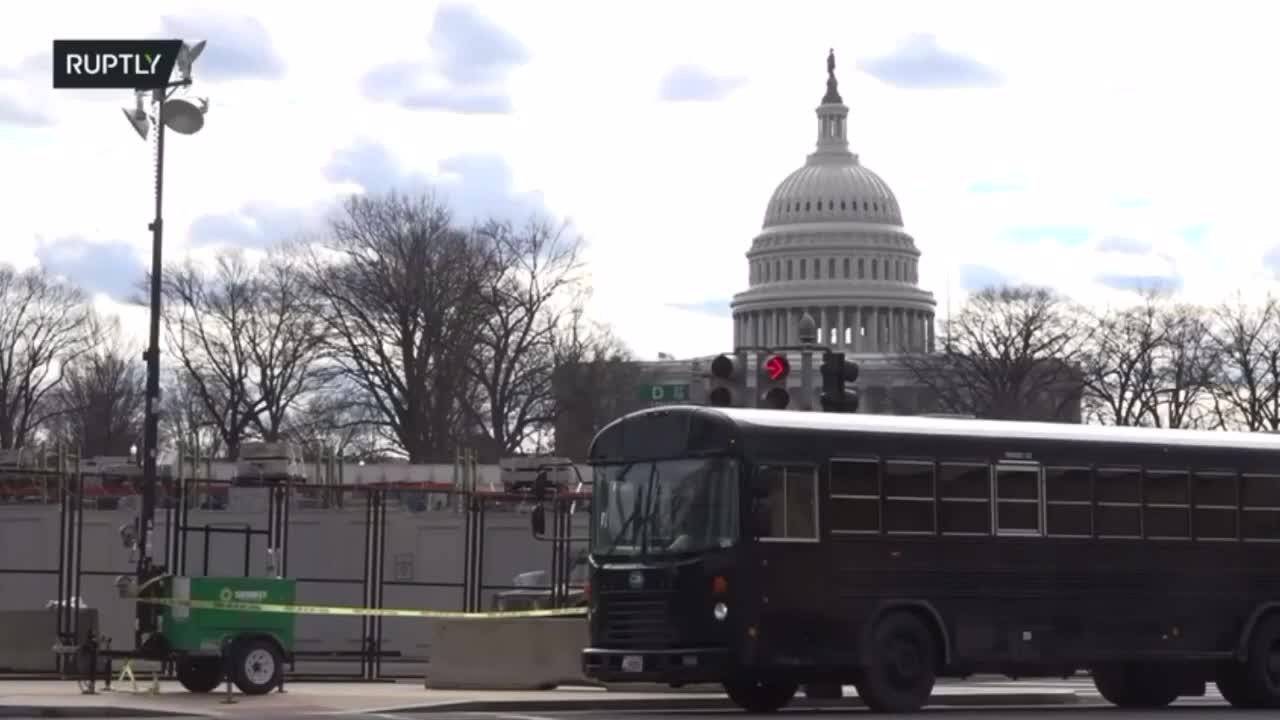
column 1185, row 710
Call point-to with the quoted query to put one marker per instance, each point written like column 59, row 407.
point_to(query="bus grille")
column 638, row 622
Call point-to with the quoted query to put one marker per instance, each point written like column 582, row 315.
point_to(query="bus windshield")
column 665, row 507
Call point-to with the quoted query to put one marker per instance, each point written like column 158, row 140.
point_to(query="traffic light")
column 728, row 381
column 772, row 389
column 837, row 396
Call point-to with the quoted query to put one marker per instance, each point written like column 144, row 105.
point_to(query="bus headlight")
column 720, row 611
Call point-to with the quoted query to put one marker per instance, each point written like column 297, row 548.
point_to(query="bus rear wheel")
column 760, row 696
column 1257, row 681
column 1133, row 686
column 903, row 666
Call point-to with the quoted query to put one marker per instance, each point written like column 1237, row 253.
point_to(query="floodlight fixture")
column 187, row 57
column 138, row 116
column 185, row 115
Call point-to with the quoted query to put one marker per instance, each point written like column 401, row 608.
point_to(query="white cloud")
column 1152, row 122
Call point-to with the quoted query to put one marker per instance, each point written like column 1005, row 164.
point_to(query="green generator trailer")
column 208, row 644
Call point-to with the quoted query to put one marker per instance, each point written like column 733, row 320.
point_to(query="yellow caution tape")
column 347, row 610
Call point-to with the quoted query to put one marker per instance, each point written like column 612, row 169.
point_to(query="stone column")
column 841, row 334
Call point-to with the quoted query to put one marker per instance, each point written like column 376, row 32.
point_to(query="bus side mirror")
column 540, row 486
column 759, row 487
column 538, row 519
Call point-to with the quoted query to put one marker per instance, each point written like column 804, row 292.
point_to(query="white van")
column 269, row 462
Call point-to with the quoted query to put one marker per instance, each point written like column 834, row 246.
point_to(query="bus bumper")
column 681, row 666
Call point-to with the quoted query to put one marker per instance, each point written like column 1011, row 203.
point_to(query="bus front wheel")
column 903, row 666
column 1133, row 686
column 760, row 696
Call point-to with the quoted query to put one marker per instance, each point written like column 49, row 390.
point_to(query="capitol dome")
column 833, row 245
column 824, row 191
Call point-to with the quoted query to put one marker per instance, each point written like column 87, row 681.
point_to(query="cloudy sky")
column 1097, row 147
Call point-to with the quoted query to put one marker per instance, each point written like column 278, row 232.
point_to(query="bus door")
column 784, row 522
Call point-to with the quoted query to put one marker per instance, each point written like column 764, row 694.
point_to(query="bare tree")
column 248, row 338
column 185, row 419
column 400, row 286
column 1248, row 382
column 594, row 382
column 1010, row 353
column 284, row 338
column 337, row 419
column 43, row 328
column 102, row 397
column 208, row 320
column 1186, row 363
column 1121, row 379
column 530, row 289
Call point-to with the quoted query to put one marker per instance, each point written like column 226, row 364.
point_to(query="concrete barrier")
column 27, row 638
column 507, row 654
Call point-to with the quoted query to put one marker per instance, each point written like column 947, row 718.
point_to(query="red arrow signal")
column 776, row 367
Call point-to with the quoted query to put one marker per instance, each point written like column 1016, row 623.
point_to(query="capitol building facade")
column 833, row 246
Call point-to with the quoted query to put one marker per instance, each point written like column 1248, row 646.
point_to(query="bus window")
column 1018, row 499
column 1215, row 506
column 855, row 496
column 1118, row 513
column 965, row 492
column 1167, row 500
column 789, row 511
column 1260, row 495
column 908, row 497
column 1068, row 504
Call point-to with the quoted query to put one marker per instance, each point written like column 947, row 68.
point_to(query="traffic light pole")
column 806, row 379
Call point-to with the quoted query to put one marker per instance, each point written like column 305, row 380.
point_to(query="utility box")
column 201, row 631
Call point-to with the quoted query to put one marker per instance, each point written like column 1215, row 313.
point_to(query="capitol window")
column 846, row 268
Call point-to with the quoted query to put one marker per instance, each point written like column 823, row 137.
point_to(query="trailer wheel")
column 1262, row 668
column 903, row 665
column 760, row 696
column 256, row 666
column 200, row 674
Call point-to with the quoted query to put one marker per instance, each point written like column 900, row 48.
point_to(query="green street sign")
column 664, row 393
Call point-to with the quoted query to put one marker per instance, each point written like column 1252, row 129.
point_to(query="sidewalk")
column 64, row 699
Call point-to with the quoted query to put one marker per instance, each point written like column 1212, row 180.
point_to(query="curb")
column 604, row 704
column 88, row 711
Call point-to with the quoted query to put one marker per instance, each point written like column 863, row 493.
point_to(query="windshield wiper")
column 635, row 511
column 654, row 492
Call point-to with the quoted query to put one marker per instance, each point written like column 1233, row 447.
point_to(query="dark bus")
column 766, row 550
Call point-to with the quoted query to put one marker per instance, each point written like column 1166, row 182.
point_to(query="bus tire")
column 1262, row 665
column 760, row 696
column 902, row 668
column 1133, row 686
column 1233, row 686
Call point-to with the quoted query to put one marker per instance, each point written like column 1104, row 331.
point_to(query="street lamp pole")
column 187, row 118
